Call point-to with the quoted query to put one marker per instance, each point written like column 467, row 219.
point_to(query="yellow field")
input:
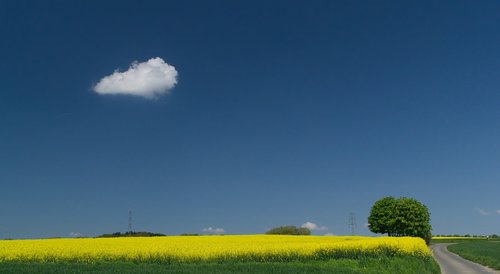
column 457, row 238
column 208, row 248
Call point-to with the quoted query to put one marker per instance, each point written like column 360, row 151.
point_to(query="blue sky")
column 282, row 112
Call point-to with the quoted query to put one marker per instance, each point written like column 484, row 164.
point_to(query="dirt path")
column 451, row 263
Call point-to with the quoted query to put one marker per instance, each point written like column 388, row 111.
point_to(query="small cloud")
column 75, row 234
column 313, row 226
column 482, row 211
column 148, row 79
column 329, row 234
column 498, row 211
column 213, row 230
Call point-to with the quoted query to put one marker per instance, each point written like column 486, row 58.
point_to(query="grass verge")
column 382, row 265
column 486, row 253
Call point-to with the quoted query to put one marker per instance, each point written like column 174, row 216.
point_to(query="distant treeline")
column 468, row 235
column 131, row 234
column 289, row 230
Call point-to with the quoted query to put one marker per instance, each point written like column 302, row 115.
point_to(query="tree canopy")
column 400, row 217
column 289, row 230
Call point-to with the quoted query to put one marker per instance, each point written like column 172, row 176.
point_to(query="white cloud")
column 147, row 79
column 75, row 234
column 482, row 211
column 498, row 211
column 313, row 226
column 214, row 230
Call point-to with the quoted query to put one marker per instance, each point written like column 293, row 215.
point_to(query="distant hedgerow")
column 289, row 230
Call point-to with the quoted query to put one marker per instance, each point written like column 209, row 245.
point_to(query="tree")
column 289, row 230
column 381, row 217
column 400, row 217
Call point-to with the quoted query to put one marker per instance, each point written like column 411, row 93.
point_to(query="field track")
column 451, row 263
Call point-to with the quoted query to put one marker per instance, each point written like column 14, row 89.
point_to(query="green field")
column 483, row 252
column 382, row 265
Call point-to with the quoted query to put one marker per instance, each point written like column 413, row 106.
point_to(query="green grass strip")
column 369, row 265
column 486, row 253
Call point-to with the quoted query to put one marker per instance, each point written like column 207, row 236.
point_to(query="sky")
column 238, row 116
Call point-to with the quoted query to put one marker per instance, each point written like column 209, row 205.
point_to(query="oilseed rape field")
column 457, row 238
column 207, row 248
column 219, row 250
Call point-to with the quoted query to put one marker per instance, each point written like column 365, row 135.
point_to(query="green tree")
column 381, row 217
column 400, row 217
column 289, row 230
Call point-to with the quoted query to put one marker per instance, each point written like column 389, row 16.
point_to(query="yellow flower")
column 206, row 248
